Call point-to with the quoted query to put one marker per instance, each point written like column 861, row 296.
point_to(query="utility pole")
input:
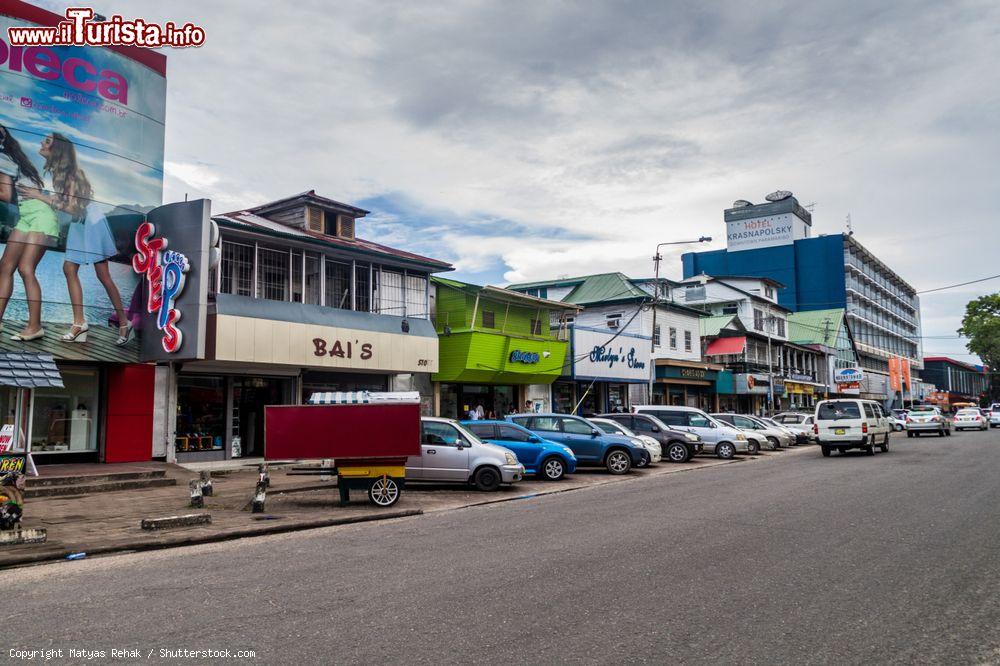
column 768, row 322
column 656, row 300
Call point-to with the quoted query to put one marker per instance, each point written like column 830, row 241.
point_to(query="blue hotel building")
column 774, row 240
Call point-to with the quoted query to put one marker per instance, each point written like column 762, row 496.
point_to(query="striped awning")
column 364, row 397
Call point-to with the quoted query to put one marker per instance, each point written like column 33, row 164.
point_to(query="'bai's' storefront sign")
column 624, row 358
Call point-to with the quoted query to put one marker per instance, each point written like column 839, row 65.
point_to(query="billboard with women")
column 81, row 160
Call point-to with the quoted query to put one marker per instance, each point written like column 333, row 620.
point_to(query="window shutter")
column 345, row 226
column 314, row 219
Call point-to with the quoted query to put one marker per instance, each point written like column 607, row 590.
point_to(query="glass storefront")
column 317, row 382
column 201, row 413
column 64, row 420
column 458, row 401
column 562, row 397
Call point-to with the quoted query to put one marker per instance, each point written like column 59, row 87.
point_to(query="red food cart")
column 367, row 435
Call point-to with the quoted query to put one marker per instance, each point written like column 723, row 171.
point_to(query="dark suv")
column 677, row 446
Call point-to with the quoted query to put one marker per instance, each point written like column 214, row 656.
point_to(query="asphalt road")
column 797, row 558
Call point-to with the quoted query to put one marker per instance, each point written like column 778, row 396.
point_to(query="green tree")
column 981, row 324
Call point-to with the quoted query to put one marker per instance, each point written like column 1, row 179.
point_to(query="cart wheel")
column 383, row 491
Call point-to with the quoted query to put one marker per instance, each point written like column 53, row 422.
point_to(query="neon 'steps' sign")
column 164, row 270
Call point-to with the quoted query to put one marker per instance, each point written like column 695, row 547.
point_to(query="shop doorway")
column 250, row 396
column 458, row 400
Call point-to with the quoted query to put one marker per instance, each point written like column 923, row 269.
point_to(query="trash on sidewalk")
column 76, row 556
column 185, row 520
column 207, row 490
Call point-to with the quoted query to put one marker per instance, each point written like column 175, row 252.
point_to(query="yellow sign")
column 11, row 464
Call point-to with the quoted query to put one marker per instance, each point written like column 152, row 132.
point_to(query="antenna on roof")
column 809, row 206
column 850, row 229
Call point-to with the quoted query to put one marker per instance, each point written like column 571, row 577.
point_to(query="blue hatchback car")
column 590, row 444
column 549, row 460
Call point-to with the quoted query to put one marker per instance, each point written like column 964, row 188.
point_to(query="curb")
column 211, row 538
column 613, row 480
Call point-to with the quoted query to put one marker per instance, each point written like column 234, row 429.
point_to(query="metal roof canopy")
column 29, row 370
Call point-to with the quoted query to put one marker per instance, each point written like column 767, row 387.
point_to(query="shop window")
column 237, row 269
column 338, row 285
column 64, row 419
column 201, row 409
column 272, row 274
column 489, row 319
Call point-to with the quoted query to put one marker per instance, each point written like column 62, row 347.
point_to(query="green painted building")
column 497, row 348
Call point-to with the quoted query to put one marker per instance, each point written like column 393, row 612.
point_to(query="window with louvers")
column 345, row 226
column 314, row 219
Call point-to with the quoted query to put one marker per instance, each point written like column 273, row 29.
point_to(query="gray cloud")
column 626, row 123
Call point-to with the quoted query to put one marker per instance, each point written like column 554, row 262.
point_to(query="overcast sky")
column 530, row 140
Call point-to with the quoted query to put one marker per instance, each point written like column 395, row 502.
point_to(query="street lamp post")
column 656, row 299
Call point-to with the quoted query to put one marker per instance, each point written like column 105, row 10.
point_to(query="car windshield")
column 836, row 411
column 923, row 410
column 610, row 427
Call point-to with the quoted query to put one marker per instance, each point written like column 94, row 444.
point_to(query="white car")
column 765, row 436
column 970, row 419
column 849, row 423
column 897, row 423
column 651, row 445
column 798, row 423
column 995, row 415
column 717, row 437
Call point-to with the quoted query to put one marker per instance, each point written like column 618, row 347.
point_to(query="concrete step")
column 87, row 479
column 97, row 487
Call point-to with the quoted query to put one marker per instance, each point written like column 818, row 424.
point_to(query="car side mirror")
column 535, row 439
column 595, row 433
column 656, row 428
column 459, row 442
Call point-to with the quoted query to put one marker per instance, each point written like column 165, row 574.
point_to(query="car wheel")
column 884, row 448
column 553, row 469
column 383, row 491
column 898, row 428
column 753, row 448
column 775, row 444
column 725, row 450
column 487, row 479
column 677, row 453
column 618, row 461
column 825, row 450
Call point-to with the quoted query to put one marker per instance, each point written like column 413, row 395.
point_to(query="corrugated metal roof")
column 249, row 221
column 712, row 326
column 29, row 370
column 815, row 327
column 499, row 292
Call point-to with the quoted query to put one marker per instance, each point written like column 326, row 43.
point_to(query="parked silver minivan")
column 719, row 438
column 450, row 453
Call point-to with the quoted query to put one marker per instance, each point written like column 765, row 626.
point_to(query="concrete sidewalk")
column 109, row 522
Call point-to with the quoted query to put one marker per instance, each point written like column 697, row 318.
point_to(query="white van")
column 851, row 424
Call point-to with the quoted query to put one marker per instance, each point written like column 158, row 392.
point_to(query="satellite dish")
column 741, row 203
column 779, row 195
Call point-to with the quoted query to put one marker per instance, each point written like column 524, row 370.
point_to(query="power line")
column 960, row 284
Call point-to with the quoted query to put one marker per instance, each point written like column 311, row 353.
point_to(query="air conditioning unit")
column 614, row 322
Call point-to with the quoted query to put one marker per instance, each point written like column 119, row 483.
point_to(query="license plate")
column 839, row 431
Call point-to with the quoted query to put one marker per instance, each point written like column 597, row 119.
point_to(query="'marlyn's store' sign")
column 624, row 358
